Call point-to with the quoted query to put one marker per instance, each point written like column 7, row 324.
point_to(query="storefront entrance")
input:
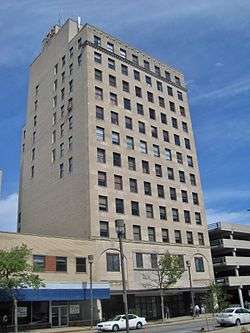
column 60, row 316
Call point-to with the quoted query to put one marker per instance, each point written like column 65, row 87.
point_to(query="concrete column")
column 240, row 296
column 236, row 270
column 99, row 309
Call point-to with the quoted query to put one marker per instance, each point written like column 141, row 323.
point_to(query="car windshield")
column 116, row 318
column 228, row 310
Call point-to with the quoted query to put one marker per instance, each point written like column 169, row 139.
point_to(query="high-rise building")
column 109, row 136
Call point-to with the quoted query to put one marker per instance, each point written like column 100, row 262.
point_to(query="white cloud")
column 8, row 213
column 239, row 217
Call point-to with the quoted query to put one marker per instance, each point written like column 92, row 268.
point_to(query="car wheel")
column 222, row 325
column 237, row 322
column 139, row 325
column 115, row 328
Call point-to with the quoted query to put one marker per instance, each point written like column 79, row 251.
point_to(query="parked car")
column 119, row 323
column 233, row 316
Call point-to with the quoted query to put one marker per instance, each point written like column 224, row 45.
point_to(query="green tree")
column 168, row 271
column 16, row 273
column 216, row 298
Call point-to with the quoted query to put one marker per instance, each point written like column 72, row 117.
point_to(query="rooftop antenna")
column 79, row 22
column 60, row 19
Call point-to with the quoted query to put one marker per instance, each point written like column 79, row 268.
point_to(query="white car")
column 233, row 316
column 119, row 323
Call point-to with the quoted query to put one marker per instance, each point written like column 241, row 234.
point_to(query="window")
column 112, row 80
column 37, row 90
column 140, row 109
column 197, row 218
column 185, row 127
column 179, row 95
column 190, row 237
column 70, row 69
column 152, row 114
column 170, row 91
column 157, row 70
column 160, row 191
column 118, row 182
column 110, row 47
column 143, row 147
column 149, row 211
column 33, row 153
column 158, row 170
column 61, row 170
column 113, row 99
column 113, row 262
column 172, row 106
column 61, row 149
column 172, row 192
column 156, row 150
column 187, row 217
column 161, row 102
column 131, row 163
column 151, row 234
column 177, row 236
column 190, row 161
column 148, row 80
column 32, row 171
column 123, row 53
column 124, row 69
column 163, row 213
column 139, row 260
column 177, row 140
column 54, row 118
column 128, row 123
column 170, row 173
column 163, row 118
column 182, row 111
column 130, row 142
column 165, row 135
column 117, row 161
column 99, row 112
column 53, row 155
column 54, row 101
column 174, row 122
column 154, row 132
column 98, row 75
column 34, row 137
column 150, row 97
column 159, row 86
column 175, row 214
column 165, row 235
column 119, row 206
column 141, row 127
column 201, row 238
column 62, row 94
column 126, row 104
column 154, row 261
column 138, row 92
column 101, row 155
column 167, row 76
column 55, row 69
column 179, row 157
column 115, row 138
column 125, row 86
column 192, row 179
column 102, row 178
column 177, row 80
column 98, row 93
column 98, row 57
column 61, row 264
column 184, row 196
column 199, row 264
column 70, row 120
column 133, row 185
column 38, row 263
column 111, row 64
column 81, row 265
column 36, row 105
column 70, row 165
column 187, row 143
column 114, row 118
column 137, row 232
column 35, row 121
column 147, row 188
column 97, row 41
column 79, row 43
column 53, row 137
column 195, row 198
column 135, row 59
column 70, row 104
column 145, row 167
column 146, row 64
column 63, row 77
column 104, row 229
column 103, row 203
column 168, row 154
column 100, row 134
column 135, row 208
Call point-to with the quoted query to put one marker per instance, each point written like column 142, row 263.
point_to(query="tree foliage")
column 169, row 270
column 216, row 298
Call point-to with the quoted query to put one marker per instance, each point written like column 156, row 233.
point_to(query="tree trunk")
column 162, row 305
column 15, row 314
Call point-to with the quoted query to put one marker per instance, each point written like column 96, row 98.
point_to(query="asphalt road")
column 190, row 327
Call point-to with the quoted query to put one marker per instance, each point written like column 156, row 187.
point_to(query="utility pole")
column 91, row 260
column 191, row 284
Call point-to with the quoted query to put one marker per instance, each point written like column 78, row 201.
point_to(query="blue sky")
column 209, row 40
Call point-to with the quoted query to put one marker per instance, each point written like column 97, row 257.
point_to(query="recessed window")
column 138, row 92
column 201, row 238
column 38, row 263
column 146, row 64
column 147, row 188
column 182, row 111
column 125, row 86
column 124, row 69
column 110, row 47
column 165, row 135
column 156, row 150
column 139, row 260
column 154, row 132
column 150, row 97
column 170, row 172
column 179, row 95
column 172, row 106
column 198, row 218
column 165, row 235
column 137, row 232
column 160, row 191
column 163, row 213
column 170, row 91
column 123, row 53
column 192, row 179
column 187, row 217
column 184, row 196
column 135, row 59
column 152, row 114
column 148, row 80
column 199, row 264
column 119, row 206
column 117, row 161
column 102, row 178
column 99, row 112
column 177, row 235
column 100, row 134
column 163, row 118
column 112, row 81
column 61, row 170
column 151, row 234
column 104, row 229
column 190, row 161
column 126, row 103
column 143, row 147
column 81, row 265
column 118, row 182
column 61, row 264
column 182, row 176
column 98, row 93
column 195, row 198
column 98, row 74
column 128, row 123
column 154, row 260
column 141, row 127
column 172, row 192
column 157, row 70
column 131, row 163
column 158, row 170
column 177, row 140
column 97, row 41
column 179, row 157
column 135, row 210
column 115, row 138
column 174, row 122
column 187, row 143
column 98, row 57
column 145, row 167
column 113, row 262
column 159, row 85
column 113, row 99
column 136, row 75
column 190, row 237
column 114, row 118
column 101, row 155
column 133, row 185
column 161, row 102
column 175, row 214
column 149, row 211
column 130, row 142
column 177, row 80
column 103, row 203
column 185, row 127
column 111, row 64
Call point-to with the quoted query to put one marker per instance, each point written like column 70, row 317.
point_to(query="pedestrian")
column 167, row 312
column 196, row 310
column 203, row 309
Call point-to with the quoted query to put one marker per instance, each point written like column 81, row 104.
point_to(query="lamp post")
column 120, row 230
column 91, row 260
column 188, row 263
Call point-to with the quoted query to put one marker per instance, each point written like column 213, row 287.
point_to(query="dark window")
column 177, row 80
column 175, row 214
column 126, row 103
column 124, row 69
column 97, row 40
column 136, row 75
column 163, row 118
column 143, row 147
column 160, row 191
column 80, row 265
column 179, row 157
column 131, row 163
column 197, row 218
column 185, row 127
column 149, row 211
column 135, row 210
column 163, row 213
column 145, row 167
column 201, row 238
column 199, row 264
column 184, row 196
column 147, row 188
column 156, row 150
column 139, row 260
column 137, row 232
column 99, row 112
column 195, row 198
column 174, row 122
column 104, row 229
column 190, row 161
column 150, row 97
column 114, row 118
column 172, row 192
column 190, row 237
column 112, row 80
column 135, row 59
column 101, row 155
column 113, row 99
column 152, row 114
column 138, row 92
column 103, row 203
column 141, row 127
column 98, row 93
column 177, row 140
column 128, row 123
column 179, row 95
column 125, row 86
column 187, row 143
column 165, row 235
column 182, row 111
column 158, row 170
column 159, row 86
column 38, row 263
column 148, row 80
column 146, row 64
column 119, row 206
column 115, row 138
column 98, row 74
column 157, row 70
column 192, row 179
column 140, row 109
column 167, row 76
column 170, row 91
column 113, row 262
column 154, row 132
column 130, row 142
column 118, row 182
column 177, row 235
column 165, row 135
column 123, row 53
column 161, row 102
column 151, row 234
column 117, row 161
column 110, row 47
column 61, row 264
column 111, row 63
column 133, row 185
column 154, row 261
column 170, row 173
column 187, row 217
column 172, row 106
column 102, row 178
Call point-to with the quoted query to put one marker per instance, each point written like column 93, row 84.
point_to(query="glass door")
column 63, row 316
column 59, row 316
column 55, row 316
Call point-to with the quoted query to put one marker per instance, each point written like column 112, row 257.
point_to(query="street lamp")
column 91, row 260
column 188, row 263
column 120, row 230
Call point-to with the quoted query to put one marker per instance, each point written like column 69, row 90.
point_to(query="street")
column 190, row 327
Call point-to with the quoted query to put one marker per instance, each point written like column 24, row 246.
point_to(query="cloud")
column 239, row 217
column 8, row 213
column 219, row 64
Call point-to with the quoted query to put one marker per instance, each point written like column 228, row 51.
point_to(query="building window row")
column 42, row 263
